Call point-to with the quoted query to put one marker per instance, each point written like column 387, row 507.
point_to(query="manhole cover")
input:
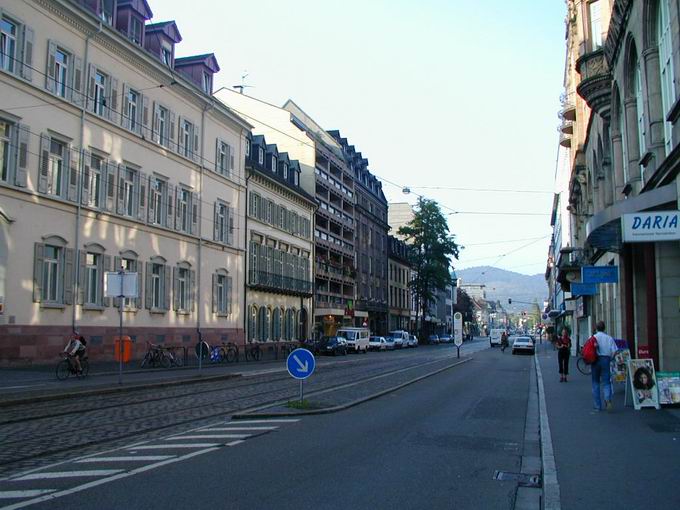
column 522, row 479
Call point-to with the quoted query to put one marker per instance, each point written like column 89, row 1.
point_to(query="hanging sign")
column 600, row 274
column 583, row 289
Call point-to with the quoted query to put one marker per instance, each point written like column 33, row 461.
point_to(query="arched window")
column 624, row 142
column 290, row 319
column 665, row 45
column 263, row 316
column 639, row 107
column 252, row 322
column 277, row 317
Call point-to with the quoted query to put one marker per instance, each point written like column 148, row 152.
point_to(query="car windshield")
column 349, row 335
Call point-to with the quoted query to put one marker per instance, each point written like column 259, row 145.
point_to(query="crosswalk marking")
column 68, row 474
column 255, row 422
column 209, row 436
column 24, row 494
column 133, row 458
column 171, row 445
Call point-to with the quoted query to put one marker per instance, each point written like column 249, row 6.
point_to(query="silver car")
column 522, row 344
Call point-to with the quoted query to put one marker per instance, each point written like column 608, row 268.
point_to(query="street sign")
column 117, row 284
column 458, row 329
column 600, row 274
column 300, row 364
column 583, row 289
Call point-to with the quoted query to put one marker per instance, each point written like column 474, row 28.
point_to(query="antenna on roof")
column 243, row 83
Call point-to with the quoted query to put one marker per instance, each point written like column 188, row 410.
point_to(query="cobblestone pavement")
column 34, row 435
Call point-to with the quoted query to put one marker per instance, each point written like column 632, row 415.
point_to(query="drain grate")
column 522, row 479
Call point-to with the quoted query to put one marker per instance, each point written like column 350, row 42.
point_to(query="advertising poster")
column 644, row 388
column 669, row 387
column 619, row 366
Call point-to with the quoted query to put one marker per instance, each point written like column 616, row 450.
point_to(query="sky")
column 442, row 96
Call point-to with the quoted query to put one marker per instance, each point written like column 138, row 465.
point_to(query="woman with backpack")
column 563, row 352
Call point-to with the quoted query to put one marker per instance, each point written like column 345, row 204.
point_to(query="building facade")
column 399, row 294
column 625, row 159
column 119, row 162
column 278, row 298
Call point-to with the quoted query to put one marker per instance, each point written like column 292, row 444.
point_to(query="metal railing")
column 279, row 282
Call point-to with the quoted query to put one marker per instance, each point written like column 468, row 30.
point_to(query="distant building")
column 474, row 290
column 399, row 214
column 399, row 295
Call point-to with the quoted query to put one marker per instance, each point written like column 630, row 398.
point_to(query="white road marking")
column 234, row 443
column 243, row 428
column 209, row 436
column 255, row 422
column 170, row 445
column 69, row 474
column 25, row 494
column 134, row 458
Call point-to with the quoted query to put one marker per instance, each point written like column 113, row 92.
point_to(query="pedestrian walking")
column 563, row 353
column 601, row 377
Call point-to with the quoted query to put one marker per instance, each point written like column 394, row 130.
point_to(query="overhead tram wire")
column 483, row 190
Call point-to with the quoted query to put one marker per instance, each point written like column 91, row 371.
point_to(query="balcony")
column 568, row 111
column 565, row 140
column 596, row 81
column 276, row 283
column 567, row 127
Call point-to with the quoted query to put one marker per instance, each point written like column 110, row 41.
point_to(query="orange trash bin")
column 127, row 348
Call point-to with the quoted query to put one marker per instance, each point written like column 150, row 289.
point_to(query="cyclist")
column 75, row 349
column 504, row 341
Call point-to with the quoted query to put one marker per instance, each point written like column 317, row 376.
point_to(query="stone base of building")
column 37, row 345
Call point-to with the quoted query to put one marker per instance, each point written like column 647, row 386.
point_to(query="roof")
column 141, row 6
column 207, row 59
column 168, row 28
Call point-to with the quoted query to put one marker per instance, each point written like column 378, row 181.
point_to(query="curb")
column 254, row 413
column 117, row 389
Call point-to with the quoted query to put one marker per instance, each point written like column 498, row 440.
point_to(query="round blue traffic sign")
column 300, row 363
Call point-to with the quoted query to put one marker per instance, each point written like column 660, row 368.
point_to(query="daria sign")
column 651, row 227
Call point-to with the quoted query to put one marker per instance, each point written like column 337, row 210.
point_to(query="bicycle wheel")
column 257, row 353
column 165, row 360
column 232, row 354
column 177, row 360
column 85, row 369
column 63, row 370
column 583, row 367
column 146, row 361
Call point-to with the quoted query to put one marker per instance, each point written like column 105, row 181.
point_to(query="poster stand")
column 643, row 384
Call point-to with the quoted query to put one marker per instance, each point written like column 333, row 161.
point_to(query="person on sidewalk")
column 563, row 353
column 601, row 376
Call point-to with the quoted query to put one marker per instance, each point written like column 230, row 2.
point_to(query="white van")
column 400, row 339
column 495, row 336
column 357, row 338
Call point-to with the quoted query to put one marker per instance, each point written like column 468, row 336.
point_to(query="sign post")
column 300, row 365
column 458, row 331
column 121, row 285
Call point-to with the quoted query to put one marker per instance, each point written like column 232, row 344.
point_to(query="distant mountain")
column 502, row 285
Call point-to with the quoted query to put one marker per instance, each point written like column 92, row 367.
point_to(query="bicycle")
column 287, row 348
column 231, row 352
column 253, row 352
column 159, row 356
column 66, row 367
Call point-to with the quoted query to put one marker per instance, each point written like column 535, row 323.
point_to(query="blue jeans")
column 601, row 371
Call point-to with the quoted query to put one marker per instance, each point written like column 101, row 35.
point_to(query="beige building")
column 114, row 154
column 399, row 293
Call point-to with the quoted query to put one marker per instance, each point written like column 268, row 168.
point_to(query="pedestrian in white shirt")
column 601, row 377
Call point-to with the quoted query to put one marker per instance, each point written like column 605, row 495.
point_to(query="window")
column 99, row 96
column 157, row 271
column 61, row 63
column 51, row 291
column 8, row 44
column 94, row 179
column 163, row 126
column 260, row 156
column 92, row 277
column 223, row 158
column 224, row 223
column 126, row 191
column 183, row 199
column 639, row 106
column 136, row 30
column 182, row 288
column 185, row 138
column 274, row 164
column 130, row 266
column 222, row 285
column 166, row 55
column 624, row 141
column 106, row 11
column 664, row 41
column 247, row 147
column 207, row 82
column 156, row 201
column 56, row 168
column 285, row 171
column 5, row 132
column 131, row 113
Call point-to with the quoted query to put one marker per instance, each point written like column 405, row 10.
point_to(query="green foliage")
column 432, row 247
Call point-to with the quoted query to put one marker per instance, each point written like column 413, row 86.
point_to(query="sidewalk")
column 623, row 459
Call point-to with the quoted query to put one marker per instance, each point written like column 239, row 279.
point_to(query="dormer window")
column 274, row 164
column 207, row 82
column 106, row 11
column 136, row 30
column 166, row 55
column 296, row 178
column 285, row 171
column 247, row 148
column 260, row 156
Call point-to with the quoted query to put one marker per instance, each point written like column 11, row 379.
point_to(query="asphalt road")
column 433, row 444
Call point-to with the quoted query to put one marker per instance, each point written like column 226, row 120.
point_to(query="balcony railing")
column 278, row 283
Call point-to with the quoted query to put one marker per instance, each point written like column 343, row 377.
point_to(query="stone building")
column 399, row 294
column 114, row 154
column 623, row 59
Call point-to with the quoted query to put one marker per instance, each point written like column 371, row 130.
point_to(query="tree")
column 431, row 249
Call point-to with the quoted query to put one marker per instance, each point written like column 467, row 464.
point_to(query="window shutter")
column 217, row 156
column 27, row 67
column 44, row 170
column 110, row 185
column 69, row 261
column 112, row 103
column 77, row 95
column 216, row 225
column 121, row 189
column 171, row 130
column 197, row 145
column 85, row 194
column 74, row 162
column 143, row 122
column 178, row 210
column 38, row 261
column 228, row 292
column 230, row 236
column 194, row 213
column 175, row 289
column 151, row 204
column 21, row 166
column 142, row 181
column 105, row 266
column 214, row 293
column 192, row 290
column 82, row 279
column 166, row 288
column 50, row 78
column 92, row 73
column 126, row 105
column 169, row 200
column 148, row 291
column 138, row 301
column 155, row 134
column 180, row 135
column 117, row 262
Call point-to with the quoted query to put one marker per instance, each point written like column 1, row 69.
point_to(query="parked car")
column 522, row 344
column 433, row 339
column 332, row 345
column 389, row 343
column 377, row 343
column 357, row 338
column 400, row 338
column 445, row 339
column 412, row 341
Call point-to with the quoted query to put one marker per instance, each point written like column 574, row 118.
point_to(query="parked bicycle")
column 225, row 352
column 253, row 352
column 287, row 348
column 66, row 367
column 159, row 356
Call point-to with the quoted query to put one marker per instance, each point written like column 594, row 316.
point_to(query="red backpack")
column 589, row 351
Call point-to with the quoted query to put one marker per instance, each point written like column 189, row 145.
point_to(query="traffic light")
column 509, row 301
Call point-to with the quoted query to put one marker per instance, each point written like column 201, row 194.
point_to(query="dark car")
column 332, row 345
column 433, row 339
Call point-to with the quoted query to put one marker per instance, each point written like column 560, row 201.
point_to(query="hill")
column 502, row 285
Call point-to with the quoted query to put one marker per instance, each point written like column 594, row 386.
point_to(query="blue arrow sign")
column 300, row 363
